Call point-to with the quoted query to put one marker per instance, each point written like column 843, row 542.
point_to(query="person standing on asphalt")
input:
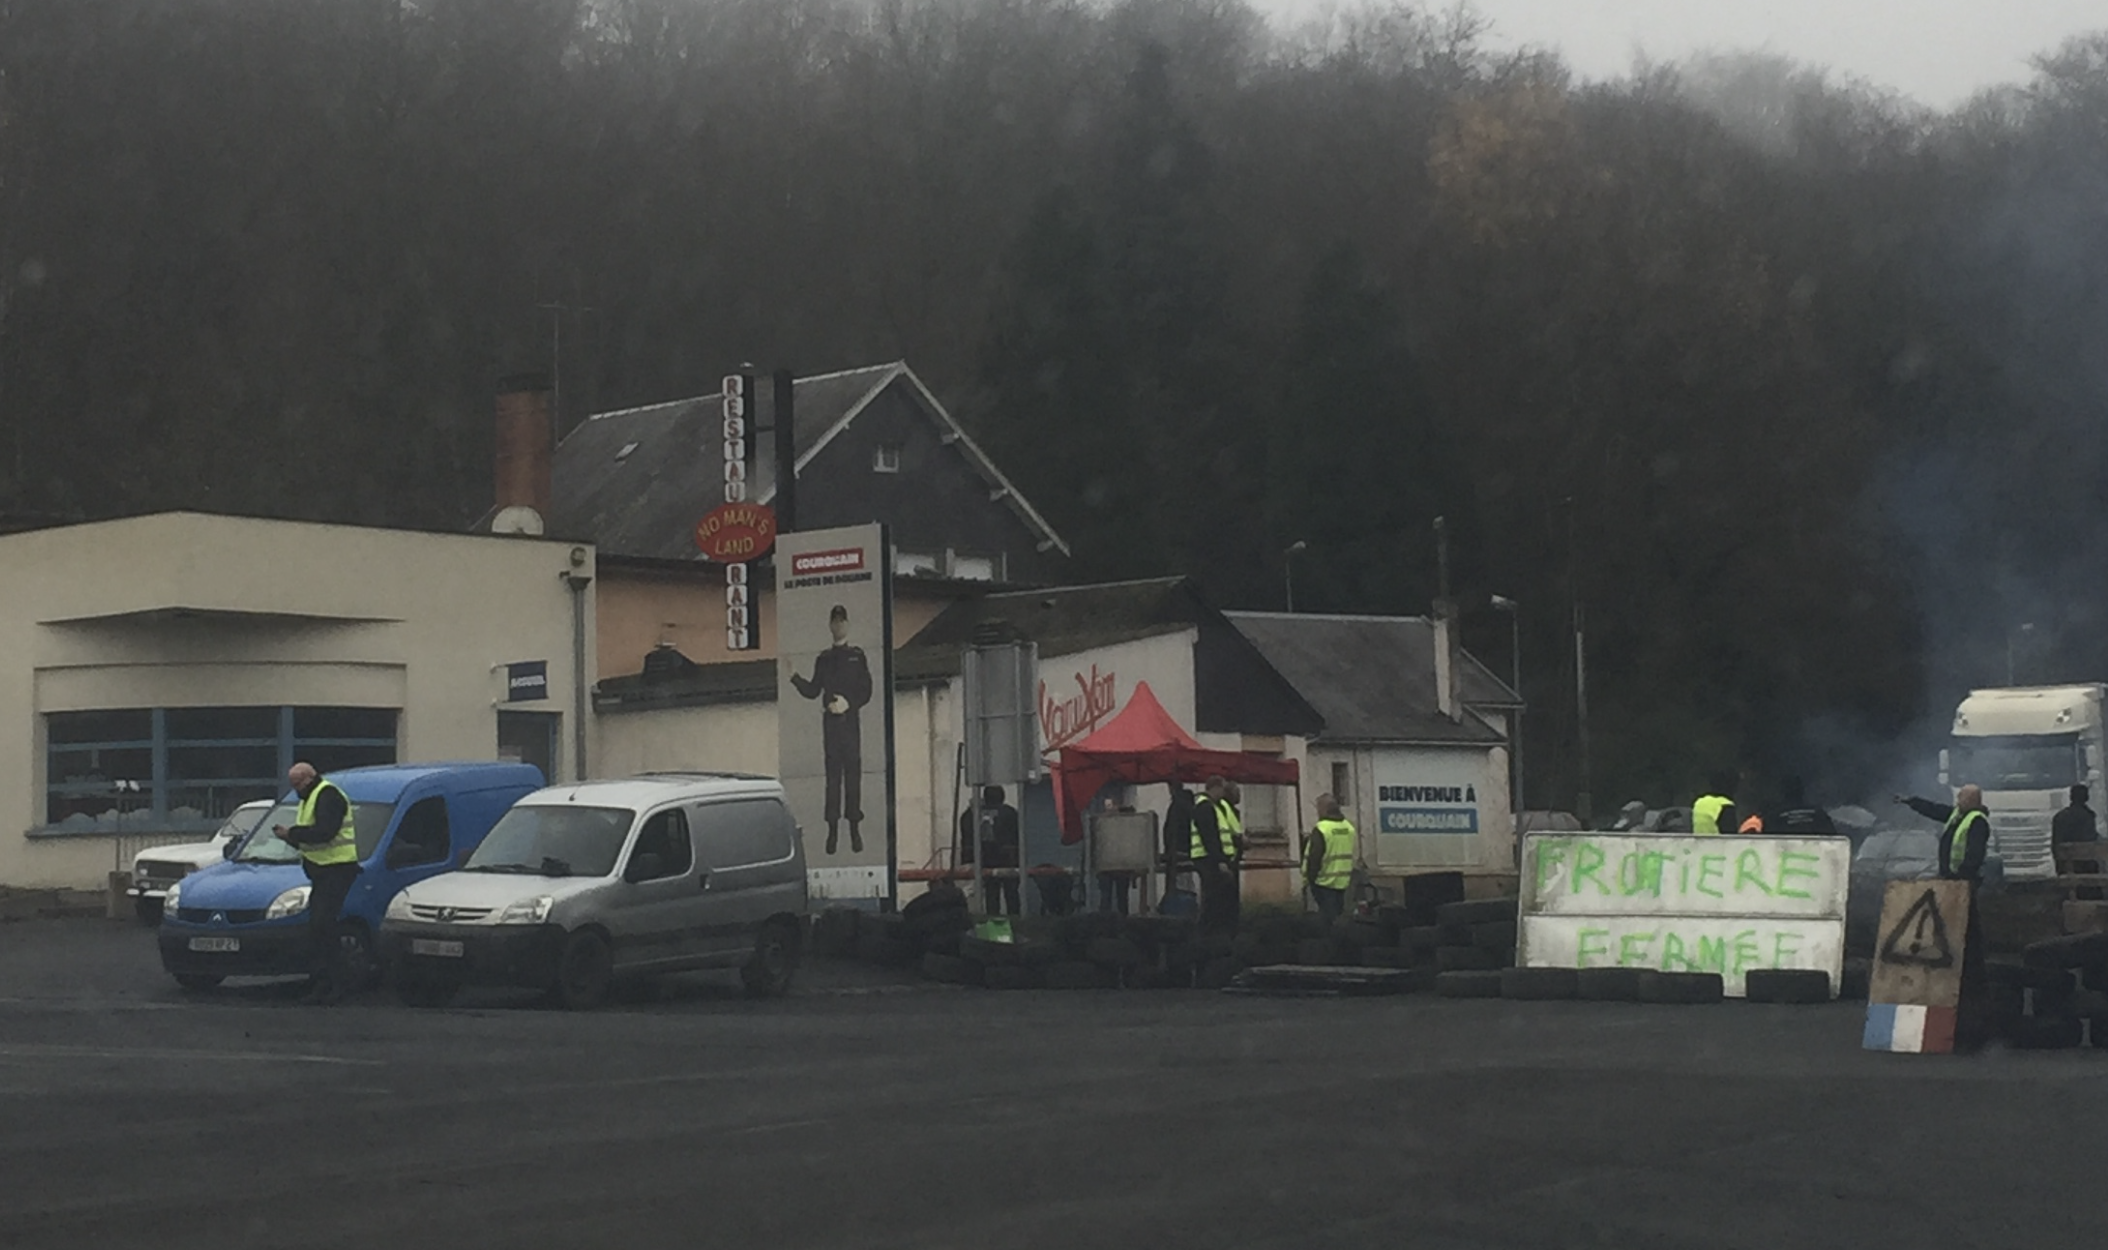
column 1714, row 812
column 996, row 842
column 2077, row 823
column 1796, row 814
column 1216, row 831
column 1328, row 859
column 329, row 854
column 1965, row 839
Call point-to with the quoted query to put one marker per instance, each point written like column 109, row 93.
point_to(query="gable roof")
column 1372, row 678
column 634, row 478
column 1072, row 618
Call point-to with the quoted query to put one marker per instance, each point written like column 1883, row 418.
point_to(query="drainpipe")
column 578, row 582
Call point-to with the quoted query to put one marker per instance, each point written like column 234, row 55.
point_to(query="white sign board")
column 834, row 711
column 1684, row 904
column 1438, row 806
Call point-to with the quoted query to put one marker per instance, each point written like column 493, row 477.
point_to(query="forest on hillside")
column 1795, row 392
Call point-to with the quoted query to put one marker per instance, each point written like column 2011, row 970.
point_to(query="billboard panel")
column 834, row 707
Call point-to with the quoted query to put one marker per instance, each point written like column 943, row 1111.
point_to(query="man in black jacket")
column 328, row 846
column 1796, row 814
column 841, row 681
column 1965, row 839
column 2077, row 823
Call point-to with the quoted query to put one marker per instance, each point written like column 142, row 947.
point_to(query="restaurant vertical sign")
column 738, row 531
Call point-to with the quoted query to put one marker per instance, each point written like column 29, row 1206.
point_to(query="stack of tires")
column 1473, row 943
column 2056, row 998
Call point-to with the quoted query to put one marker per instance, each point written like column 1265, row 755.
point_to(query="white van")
column 581, row 885
column 159, row 867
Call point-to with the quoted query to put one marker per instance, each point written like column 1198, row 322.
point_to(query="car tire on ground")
column 1466, row 959
column 360, row 960
column 1608, row 985
column 1539, row 984
column 1682, row 987
column 1011, row 977
column 1497, row 936
column 1077, row 975
column 425, row 989
column 1420, row 940
column 1787, row 985
column 1387, row 957
column 2045, row 1033
column 951, row 970
column 768, row 971
column 1462, row 984
column 1317, row 952
column 1477, row 911
column 1217, row 973
column 585, row 972
column 199, row 982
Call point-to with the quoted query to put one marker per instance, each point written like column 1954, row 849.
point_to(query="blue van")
column 247, row 917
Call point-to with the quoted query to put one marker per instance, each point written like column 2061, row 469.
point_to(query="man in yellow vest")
column 1328, row 859
column 1218, row 836
column 1714, row 812
column 1965, row 840
column 329, row 853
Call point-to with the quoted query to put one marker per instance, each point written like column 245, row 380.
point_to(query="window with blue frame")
column 192, row 766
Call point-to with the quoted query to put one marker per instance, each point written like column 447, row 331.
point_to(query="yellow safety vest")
column 1226, row 824
column 342, row 849
column 1336, row 868
column 1956, row 846
column 1705, row 814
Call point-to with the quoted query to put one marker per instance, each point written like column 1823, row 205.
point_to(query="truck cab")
column 2026, row 747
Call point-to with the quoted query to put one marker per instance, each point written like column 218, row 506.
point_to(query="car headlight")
column 168, row 900
column 398, row 907
column 290, row 903
column 527, row 911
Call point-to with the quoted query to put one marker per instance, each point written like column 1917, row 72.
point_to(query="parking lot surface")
column 868, row 1111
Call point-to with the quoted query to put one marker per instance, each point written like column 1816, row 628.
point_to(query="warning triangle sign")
column 1920, row 938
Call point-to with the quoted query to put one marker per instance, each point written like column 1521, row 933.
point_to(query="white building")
column 198, row 656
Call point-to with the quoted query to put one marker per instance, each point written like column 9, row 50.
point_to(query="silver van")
column 579, row 886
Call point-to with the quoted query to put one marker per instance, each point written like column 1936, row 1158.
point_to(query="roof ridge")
column 843, row 373
column 664, row 403
column 1321, row 616
column 1170, row 580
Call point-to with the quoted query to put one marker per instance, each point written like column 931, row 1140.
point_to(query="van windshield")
column 368, row 822
column 555, row 841
column 2016, row 761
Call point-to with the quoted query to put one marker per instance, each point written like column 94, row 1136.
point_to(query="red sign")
column 845, row 560
column 735, row 533
column 1065, row 719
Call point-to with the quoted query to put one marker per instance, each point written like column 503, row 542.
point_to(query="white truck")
column 159, row 867
column 2026, row 746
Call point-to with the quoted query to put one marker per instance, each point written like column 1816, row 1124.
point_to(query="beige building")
column 197, row 656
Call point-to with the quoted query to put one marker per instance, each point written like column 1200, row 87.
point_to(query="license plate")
column 428, row 946
column 215, row 944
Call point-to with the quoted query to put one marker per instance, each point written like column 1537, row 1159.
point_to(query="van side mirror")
column 644, row 866
column 230, row 848
column 1945, row 766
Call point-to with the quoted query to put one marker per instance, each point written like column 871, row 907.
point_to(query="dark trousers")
column 1331, row 903
column 328, row 886
column 842, row 748
column 1113, row 889
column 1003, row 893
column 1218, row 895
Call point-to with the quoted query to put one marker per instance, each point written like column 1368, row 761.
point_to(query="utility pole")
column 557, row 310
column 1584, row 799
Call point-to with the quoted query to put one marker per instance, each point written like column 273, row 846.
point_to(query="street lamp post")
column 2025, row 630
column 1288, row 572
column 1501, row 603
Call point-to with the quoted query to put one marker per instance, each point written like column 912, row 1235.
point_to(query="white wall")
column 1483, row 769
column 189, row 610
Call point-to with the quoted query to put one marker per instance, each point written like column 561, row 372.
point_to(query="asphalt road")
column 859, row 1112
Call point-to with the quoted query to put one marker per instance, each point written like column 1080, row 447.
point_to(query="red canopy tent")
column 1142, row 744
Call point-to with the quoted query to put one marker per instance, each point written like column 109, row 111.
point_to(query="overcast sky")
column 1939, row 51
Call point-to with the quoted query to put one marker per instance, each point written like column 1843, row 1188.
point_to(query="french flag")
column 1907, row 1029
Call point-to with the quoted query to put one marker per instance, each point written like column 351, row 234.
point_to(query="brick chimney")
column 526, row 439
